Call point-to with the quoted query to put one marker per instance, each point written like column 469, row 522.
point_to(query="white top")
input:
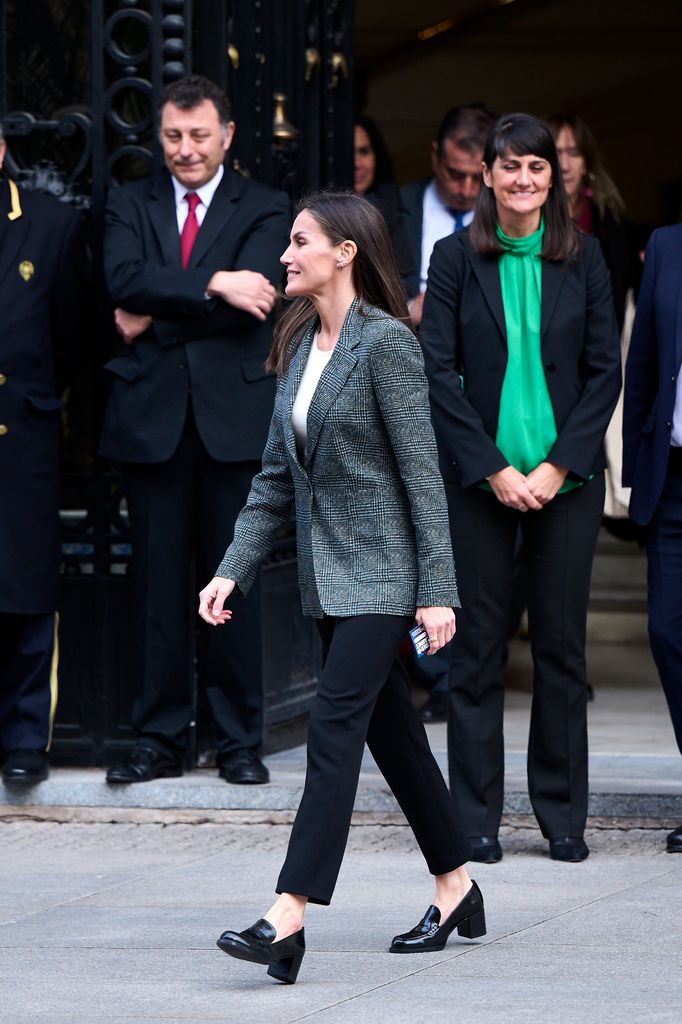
column 676, row 435
column 205, row 193
column 437, row 222
column 317, row 360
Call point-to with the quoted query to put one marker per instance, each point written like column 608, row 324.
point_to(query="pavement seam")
column 474, row 949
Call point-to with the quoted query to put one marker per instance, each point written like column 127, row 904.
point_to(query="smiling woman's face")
column 520, row 184
column 310, row 259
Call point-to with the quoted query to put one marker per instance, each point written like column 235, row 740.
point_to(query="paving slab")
column 126, row 930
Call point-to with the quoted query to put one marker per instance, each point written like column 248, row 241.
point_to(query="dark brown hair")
column 190, row 91
column 602, row 186
column 344, row 216
column 524, row 135
column 466, row 125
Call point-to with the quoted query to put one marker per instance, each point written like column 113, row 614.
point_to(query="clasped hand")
column 524, row 493
column 212, row 601
column 244, row 289
column 130, row 325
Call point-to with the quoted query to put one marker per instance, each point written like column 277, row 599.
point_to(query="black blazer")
column 44, row 296
column 651, row 374
column 194, row 343
column 412, row 210
column 464, row 339
column 386, row 197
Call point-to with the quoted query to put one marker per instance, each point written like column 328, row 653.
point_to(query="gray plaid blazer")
column 371, row 514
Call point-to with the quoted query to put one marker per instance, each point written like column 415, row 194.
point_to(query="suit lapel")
column 164, row 219
column 221, row 208
column 678, row 322
column 553, row 276
column 488, row 275
column 14, row 233
column 334, row 376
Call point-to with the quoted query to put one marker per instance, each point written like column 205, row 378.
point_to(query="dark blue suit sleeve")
column 641, row 373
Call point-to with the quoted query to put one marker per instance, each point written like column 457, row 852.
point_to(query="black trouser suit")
column 364, row 695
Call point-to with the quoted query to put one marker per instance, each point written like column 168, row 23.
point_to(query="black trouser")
column 182, row 515
column 558, row 544
column 664, row 554
column 28, row 681
column 364, row 695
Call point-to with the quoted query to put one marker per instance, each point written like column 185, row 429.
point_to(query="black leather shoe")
column 257, row 945
column 568, row 848
column 468, row 918
column 144, row 764
column 243, row 768
column 673, row 843
column 486, row 849
column 435, row 709
column 25, row 767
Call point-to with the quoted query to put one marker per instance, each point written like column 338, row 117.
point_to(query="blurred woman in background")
column 373, row 179
column 594, row 202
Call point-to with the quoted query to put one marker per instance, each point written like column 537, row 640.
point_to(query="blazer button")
column 551, row 367
column 182, row 366
column 3, row 429
column 668, row 424
column 3, row 379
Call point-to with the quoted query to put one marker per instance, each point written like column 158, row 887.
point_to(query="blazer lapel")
column 221, row 208
column 487, row 272
column 334, row 376
column 164, row 219
column 678, row 322
column 553, row 276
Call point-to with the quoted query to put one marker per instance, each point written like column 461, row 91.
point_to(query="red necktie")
column 190, row 229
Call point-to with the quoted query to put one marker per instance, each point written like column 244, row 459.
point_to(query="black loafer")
column 486, row 849
column 144, row 764
column 673, row 843
column 468, row 918
column 243, row 768
column 435, row 709
column 571, row 849
column 256, row 944
column 25, row 767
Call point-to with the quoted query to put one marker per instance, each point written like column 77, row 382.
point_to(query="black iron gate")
column 80, row 82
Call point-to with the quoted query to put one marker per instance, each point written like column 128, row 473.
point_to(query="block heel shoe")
column 256, row 944
column 468, row 918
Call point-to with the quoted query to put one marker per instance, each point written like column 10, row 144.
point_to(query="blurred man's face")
column 457, row 174
column 3, row 150
column 194, row 142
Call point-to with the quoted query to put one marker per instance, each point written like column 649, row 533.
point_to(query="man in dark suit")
column 652, row 457
column 43, row 295
column 435, row 207
column 191, row 260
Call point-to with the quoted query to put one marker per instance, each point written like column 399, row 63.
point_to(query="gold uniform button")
column 3, row 379
column 3, row 429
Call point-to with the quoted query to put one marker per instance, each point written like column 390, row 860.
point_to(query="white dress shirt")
column 437, row 222
column 676, row 435
column 205, row 193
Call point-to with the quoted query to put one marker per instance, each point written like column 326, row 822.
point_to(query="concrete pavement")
column 109, row 912
column 103, row 923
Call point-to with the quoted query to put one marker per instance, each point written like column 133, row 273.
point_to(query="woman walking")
column 522, row 353
column 351, row 445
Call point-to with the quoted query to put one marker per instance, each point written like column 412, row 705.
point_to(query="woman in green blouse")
column 522, row 353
